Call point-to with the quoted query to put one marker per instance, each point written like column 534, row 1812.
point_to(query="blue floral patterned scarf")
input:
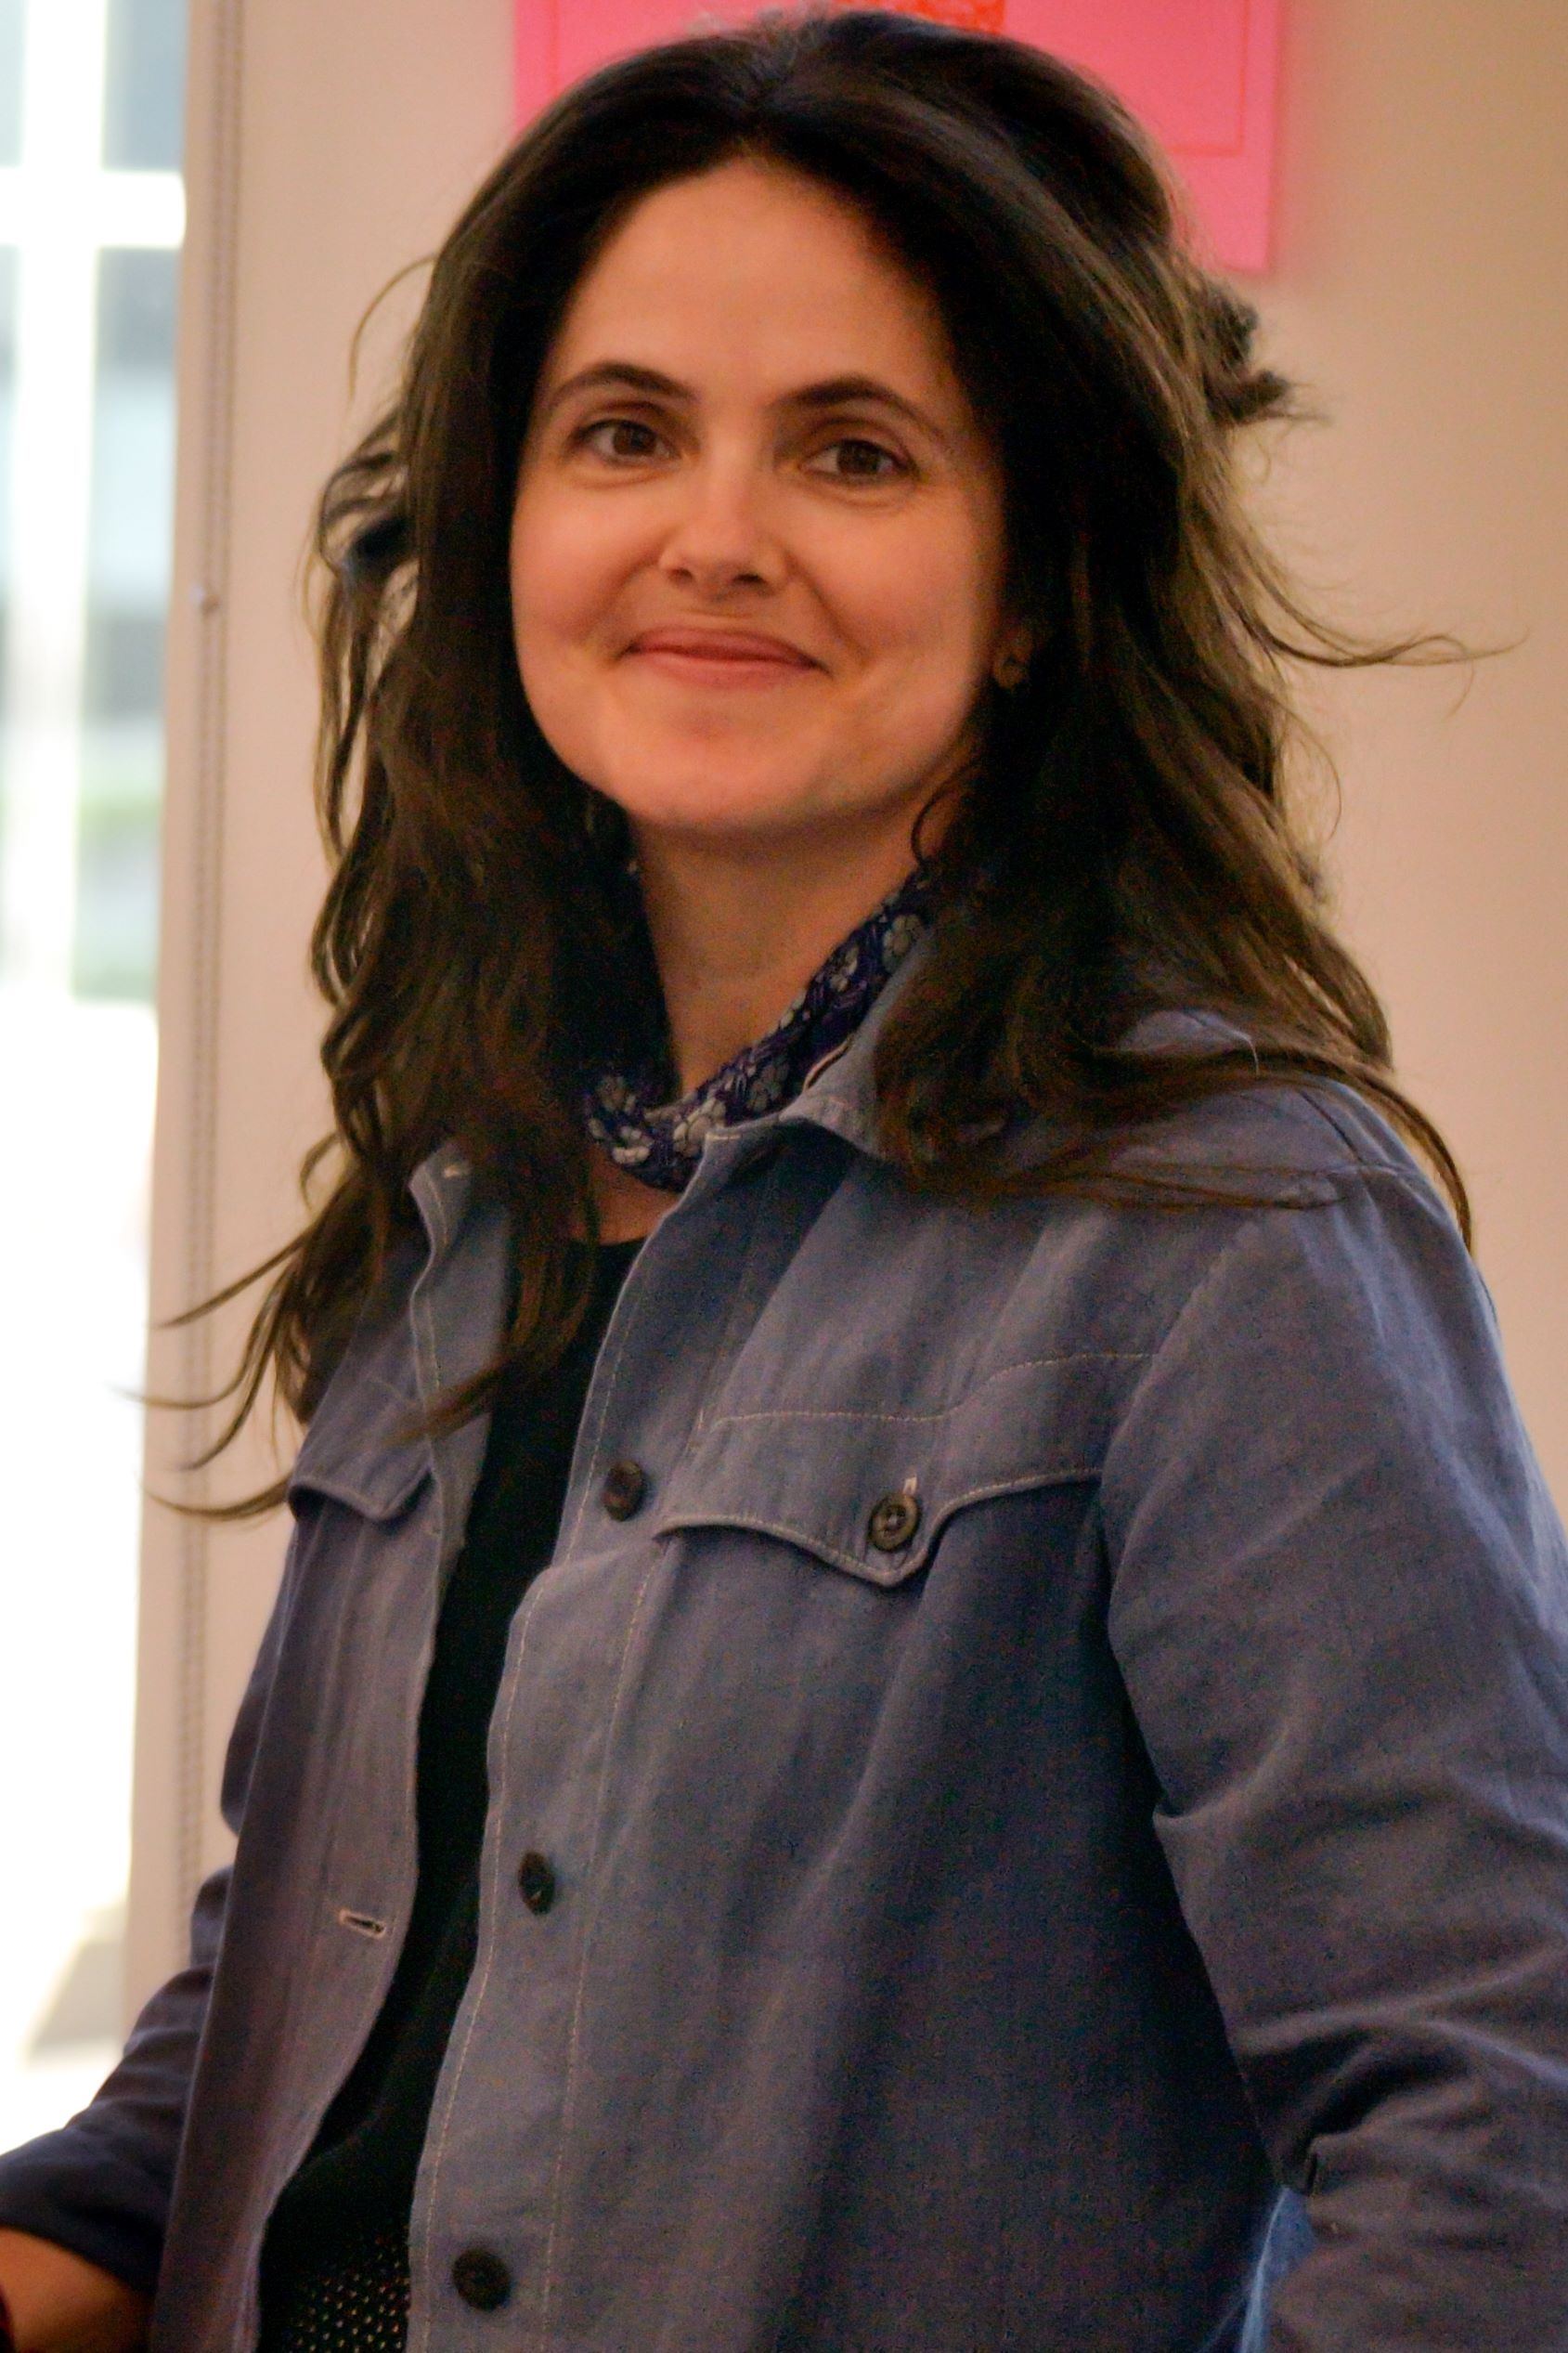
column 661, row 1142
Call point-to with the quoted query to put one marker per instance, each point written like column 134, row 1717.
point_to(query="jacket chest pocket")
column 869, row 1492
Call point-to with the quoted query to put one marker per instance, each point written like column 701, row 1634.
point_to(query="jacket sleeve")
column 101, row 2185
column 1340, row 1602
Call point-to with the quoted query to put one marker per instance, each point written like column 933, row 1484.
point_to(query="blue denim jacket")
column 1073, row 1735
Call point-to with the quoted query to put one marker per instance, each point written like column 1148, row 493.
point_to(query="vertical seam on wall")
column 204, row 882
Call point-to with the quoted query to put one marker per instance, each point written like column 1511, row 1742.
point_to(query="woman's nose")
column 722, row 538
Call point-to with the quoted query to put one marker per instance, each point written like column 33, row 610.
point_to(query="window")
column 91, row 218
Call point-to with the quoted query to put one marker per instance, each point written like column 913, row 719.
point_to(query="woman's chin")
column 732, row 813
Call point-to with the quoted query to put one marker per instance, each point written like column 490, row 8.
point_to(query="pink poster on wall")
column 1203, row 75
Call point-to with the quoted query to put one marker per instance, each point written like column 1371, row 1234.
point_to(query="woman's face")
column 756, row 558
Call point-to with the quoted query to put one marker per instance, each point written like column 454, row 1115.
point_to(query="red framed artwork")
column 1203, row 75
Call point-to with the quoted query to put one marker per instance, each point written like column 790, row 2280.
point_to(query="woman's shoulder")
column 1268, row 1136
column 1276, row 1196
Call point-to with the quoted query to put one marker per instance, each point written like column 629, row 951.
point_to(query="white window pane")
column 10, row 82
column 86, row 443
column 144, row 85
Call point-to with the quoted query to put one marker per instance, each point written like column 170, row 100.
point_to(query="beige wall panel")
column 1421, row 291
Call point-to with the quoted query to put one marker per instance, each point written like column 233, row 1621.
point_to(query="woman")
column 1020, row 1643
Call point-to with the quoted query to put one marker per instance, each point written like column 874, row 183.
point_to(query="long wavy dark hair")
column 1123, row 844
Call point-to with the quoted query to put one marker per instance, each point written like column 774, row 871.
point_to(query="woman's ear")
column 1013, row 653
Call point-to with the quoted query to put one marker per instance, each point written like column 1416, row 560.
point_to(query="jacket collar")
column 840, row 1094
column 442, row 1187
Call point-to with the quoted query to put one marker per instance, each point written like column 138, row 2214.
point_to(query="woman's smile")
column 722, row 658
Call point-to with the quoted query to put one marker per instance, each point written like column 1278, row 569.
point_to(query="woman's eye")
column 621, row 439
column 851, row 459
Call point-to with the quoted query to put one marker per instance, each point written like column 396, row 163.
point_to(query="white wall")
column 1420, row 288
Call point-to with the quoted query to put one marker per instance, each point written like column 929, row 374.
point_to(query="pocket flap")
column 838, row 1482
column 361, row 1449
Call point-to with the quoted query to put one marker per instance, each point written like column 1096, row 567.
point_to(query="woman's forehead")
column 755, row 272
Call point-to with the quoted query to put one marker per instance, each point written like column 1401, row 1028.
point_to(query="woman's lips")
column 727, row 658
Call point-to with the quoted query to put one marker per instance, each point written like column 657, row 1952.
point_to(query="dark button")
column 625, row 1483
column 893, row 1521
column 535, row 1882
column 482, row 2279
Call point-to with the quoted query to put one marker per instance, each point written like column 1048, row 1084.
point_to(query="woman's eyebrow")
column 837, row 392
column 832, row 393
column 606, row 373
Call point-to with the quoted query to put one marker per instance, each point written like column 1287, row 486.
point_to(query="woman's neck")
column 737, row 938
column 626, row 1211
